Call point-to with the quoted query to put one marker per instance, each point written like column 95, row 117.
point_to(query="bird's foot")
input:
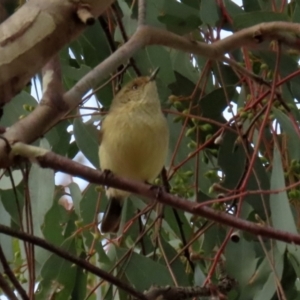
column 157, row 188
column 107, row 173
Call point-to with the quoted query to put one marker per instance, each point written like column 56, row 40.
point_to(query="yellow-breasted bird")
column 134, row 140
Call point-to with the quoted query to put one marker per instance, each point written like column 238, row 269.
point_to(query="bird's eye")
column 135, row 86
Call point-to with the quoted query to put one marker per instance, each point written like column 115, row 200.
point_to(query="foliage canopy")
column 234, row 146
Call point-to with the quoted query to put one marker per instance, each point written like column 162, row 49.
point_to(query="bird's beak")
column 153, row 74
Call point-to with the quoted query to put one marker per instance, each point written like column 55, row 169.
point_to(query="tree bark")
column 33, row 34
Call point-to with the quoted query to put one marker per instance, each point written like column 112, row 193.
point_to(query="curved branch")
column 48, row 159
column 33, row 34
column 146, row 36
column 44, row 117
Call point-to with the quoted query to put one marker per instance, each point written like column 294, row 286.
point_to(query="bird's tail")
column 112, row 216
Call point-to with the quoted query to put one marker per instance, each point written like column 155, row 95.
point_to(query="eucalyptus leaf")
column 86, row 137
column 144, row 272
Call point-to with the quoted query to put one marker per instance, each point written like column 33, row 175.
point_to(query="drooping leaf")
column 18, row 108
column 86, row 137
column 252, row 18
column 210, row 12
column 143, row 272
column 290, row 133
column 58, row 280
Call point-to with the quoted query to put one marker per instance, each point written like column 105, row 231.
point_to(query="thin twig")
column 12, row 277
column 125, row 37
column 6, row 289
column 142, row 13
column 76, row 260
column 171, row 271
column 273, row 268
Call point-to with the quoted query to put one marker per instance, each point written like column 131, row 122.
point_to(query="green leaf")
column 199, row 276
column 287, row 66
column 296, row 14
column 6, row 181
column 72, row 150
column 210, row 12
column 251, row 5
column 13, row 203
column 76, row 196
column 94, row 44
column 192, row 3
column 16, row 109
column 153, row 57
column 59, row 138
column 178, row 17
column 231, row 154
column 293, row 140
column 213, row 236
column 281, row 214
column 183, row 150
column 129, row 23
column 6, row 241
column 233, row 9
column 178, row 267
column 54, row 218
column 241, row 261
column 294, row 261
column 181, row 63
column 75, row 49
column 87, row 206
column 58, row 275
column 74, row 73
column 213, row 104
column 86, row 136
column 252, row 18
column 81, row 285
column 266, row 277
column 142, row 272
column 178, row 222
column 289, row 98
column 225, row 74
column 41, row 191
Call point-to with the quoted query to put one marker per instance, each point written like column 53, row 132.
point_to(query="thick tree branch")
column 52, row 85
column 43, row 117
column 48, row 159
column 181, row 293
column 146, row 36
column 33, row 34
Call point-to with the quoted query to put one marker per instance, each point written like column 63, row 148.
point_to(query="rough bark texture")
column 33, row 34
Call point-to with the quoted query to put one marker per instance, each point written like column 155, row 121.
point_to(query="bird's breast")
column 134, row 147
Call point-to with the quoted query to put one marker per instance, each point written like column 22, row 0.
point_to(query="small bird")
column 134, row 140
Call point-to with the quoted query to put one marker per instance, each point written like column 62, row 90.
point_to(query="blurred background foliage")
column 234, row 137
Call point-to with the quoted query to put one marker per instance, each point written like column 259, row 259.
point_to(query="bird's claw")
column 158, row 190
column 107, row 173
